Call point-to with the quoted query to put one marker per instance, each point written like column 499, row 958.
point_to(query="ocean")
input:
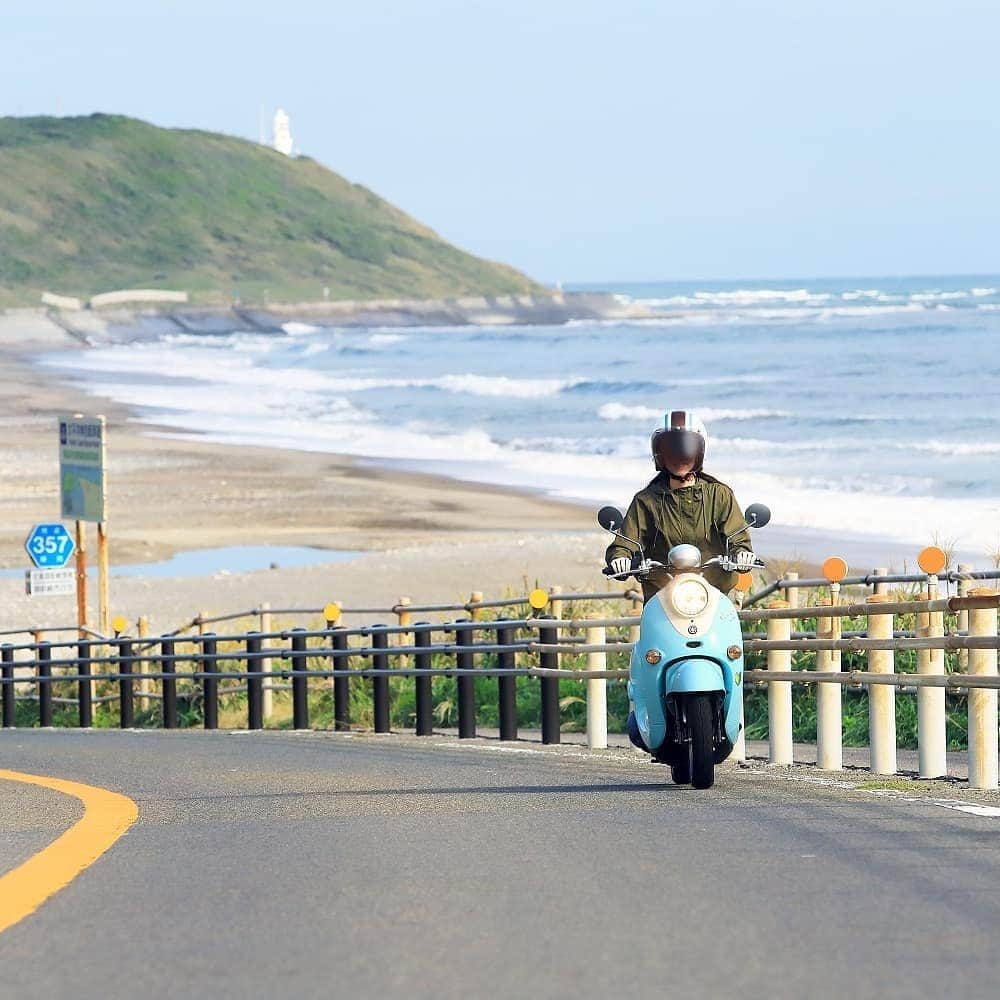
column 867, row 406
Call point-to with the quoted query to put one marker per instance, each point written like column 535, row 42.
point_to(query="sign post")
column 83, row 492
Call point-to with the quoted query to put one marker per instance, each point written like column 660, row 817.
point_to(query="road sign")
column 49, row 582
column 81, row 467
column 49, row 545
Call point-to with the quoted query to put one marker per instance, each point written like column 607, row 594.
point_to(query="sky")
column 582, row 140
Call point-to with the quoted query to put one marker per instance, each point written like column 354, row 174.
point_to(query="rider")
column 683, row 504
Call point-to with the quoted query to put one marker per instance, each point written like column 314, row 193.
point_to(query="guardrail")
column 244, row 662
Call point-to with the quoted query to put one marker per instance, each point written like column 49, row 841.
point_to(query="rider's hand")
column 621, row 565
column 744, row 561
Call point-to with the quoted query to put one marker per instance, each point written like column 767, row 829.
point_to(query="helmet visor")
column 681, row 446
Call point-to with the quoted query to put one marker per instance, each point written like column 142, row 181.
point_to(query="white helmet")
column 683, row 436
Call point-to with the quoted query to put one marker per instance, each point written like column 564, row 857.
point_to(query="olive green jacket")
column 702, row 514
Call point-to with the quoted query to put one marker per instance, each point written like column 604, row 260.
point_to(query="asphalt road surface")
column 322, row 865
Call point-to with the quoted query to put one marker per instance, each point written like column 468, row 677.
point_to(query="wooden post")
column 597, row 690
column 403, row 638
column 829, row 711
column 555, row 603
column 877, row 587
column 145, row 684
column 881, row 697
column 965, row 584
column 779, row 693
column 791, row 593
column 81, row 579
column 476, row 597
column 931, row 721
column 103, row 569
column 633, row 632
column 982, row 702
column 265, row 664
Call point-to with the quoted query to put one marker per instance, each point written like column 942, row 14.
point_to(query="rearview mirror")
column 757, row 515
column 610, row 518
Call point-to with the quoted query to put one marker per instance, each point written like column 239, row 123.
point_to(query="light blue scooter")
column 686, row 674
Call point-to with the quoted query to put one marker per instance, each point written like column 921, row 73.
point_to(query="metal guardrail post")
column 466, row 687
column 982, row 702
column 779, row 693
column 255, row 685
column 167, row 666
column 424, row 691
column 380, row 683
column 84, row 693
column 931, row 714
column 300, row 682
column 210, row 685
column 829, row 711
column 507, row 686
column 881, row 697
column 126, row 709
column 597, row 691
column 341, row 684
column 44, row 653
column 7, row 676
column 550, row 687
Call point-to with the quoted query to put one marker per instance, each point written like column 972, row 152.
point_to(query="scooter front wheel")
column 701, row 728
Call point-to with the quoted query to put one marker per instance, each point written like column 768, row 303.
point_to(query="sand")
column 433, row 539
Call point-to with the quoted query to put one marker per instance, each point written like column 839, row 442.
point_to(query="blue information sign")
column 50, row 546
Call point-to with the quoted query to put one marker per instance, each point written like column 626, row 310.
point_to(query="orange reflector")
column 653, row 656
column 744, row 582
column 119, row 624
column 332, row 612
column 835, row 569
column 734, row 652
column 932, row 560
column 538, row 598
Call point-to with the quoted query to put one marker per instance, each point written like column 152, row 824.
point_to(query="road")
column 320, row 865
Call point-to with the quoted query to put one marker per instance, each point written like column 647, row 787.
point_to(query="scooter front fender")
column 694, row 674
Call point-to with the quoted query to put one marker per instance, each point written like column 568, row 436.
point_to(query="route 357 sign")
column 50, row 546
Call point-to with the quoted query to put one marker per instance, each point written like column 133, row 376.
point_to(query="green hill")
column 105, row 202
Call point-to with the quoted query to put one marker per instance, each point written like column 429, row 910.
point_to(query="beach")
column 186, row 474
column 427, row 537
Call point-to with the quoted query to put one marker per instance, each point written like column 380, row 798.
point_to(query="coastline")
column 139, row 321
column 427, row 536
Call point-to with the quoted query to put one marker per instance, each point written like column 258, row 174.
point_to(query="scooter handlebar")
column 643, row 569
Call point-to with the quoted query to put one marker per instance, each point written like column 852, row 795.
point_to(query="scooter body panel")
column 691, row 661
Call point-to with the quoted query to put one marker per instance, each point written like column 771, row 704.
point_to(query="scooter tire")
column 681, row 773
column 700, row 726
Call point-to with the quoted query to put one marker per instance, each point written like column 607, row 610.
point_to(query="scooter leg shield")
column 634, row 735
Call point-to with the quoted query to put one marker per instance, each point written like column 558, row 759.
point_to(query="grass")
column 97, row 203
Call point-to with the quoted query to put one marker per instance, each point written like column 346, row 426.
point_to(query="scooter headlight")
column 689, row 598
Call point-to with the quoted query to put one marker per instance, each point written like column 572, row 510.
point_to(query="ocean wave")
column 622, row 411
column 296, row 329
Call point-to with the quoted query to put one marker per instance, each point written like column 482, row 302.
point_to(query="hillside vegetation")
column 104, row 202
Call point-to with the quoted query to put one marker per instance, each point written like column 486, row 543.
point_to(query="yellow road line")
column 106, row 816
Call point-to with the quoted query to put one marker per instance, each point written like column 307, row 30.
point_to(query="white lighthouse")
column 282, row 133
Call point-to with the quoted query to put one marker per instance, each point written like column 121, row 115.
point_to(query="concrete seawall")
column 88, row 326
